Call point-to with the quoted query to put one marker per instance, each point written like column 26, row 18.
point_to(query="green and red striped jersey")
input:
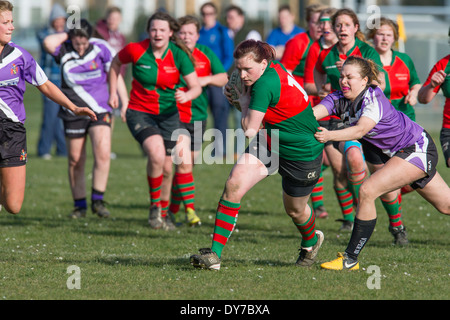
column 287, row 109
column 155, row 80
column 206, row 63
column 402, row 76
column 326, row 63
column 294, row 56
column 444, row 65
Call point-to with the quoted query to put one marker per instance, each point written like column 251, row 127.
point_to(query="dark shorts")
column 79, row 127
column 423, row 154
column 445, row 144
column 195, row 131
column 332, row 124
column 298, row 177
column 13, row 144
column 143, row 125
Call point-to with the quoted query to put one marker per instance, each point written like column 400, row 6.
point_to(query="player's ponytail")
column 367, row 68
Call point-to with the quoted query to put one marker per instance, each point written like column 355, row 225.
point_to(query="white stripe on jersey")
column 8, row 112
column 372, row 108
column 421, row 153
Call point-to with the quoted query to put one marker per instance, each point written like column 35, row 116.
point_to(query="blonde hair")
column 384, row 21
column 314, row 8
column 6, row 6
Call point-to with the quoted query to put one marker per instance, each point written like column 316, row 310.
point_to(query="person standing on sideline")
column 285, row 31
column 85, row 64
column 408, row 151
column 52, row 129
column 297, row 156
column 216, row 37
column 18, row 67
column 158, row 63
column 193, row 115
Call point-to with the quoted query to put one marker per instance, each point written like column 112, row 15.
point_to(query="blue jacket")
column 218, row 40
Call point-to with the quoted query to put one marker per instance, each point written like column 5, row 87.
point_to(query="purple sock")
column 96, row 195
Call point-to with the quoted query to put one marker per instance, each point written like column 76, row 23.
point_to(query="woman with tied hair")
column 158, row 63
column 84, row 63
column 273, row 99
column 407, row 150
column 351, row 42
column 17, row 67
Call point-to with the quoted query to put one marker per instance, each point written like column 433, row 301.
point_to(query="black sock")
column 362, row 230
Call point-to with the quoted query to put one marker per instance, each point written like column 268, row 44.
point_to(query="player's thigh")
column 13, row 187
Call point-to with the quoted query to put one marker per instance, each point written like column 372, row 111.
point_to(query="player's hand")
column 113, row 100
column 411, row 98
column 83, row 111
column 322, row 135
column 438, row 78
column 181, row 96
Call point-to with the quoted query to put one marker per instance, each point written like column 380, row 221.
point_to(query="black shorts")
column 298, row 177
column 445, row 144
column 143, row 125
column 195, row 131
column 13, row 144
column 332, row 124
column 422, row 154
column 78, row 127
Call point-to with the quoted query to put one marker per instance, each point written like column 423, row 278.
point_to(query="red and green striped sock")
column 356, row 179
column 175, row 198
column 317, row 193
column 154, row 185
column 394, row 211
column 308, row 231
column 186, row 188
column 226, row 218
column 164, row 208
column 345, row 199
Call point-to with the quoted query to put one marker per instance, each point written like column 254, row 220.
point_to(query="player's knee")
column 13, row 208
column 355, row 159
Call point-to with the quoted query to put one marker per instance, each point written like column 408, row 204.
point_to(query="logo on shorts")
column 13, row 69
column 23, row 155
column 107, row 118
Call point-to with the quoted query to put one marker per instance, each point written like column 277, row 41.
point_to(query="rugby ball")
column 234, row 84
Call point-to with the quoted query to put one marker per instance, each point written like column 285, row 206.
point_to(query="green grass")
column 122, row 258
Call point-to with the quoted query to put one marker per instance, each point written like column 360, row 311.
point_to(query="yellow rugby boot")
column 343, row 262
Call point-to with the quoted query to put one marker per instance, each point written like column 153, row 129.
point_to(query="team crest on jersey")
column 13, row 69
column 93, row 65
column 23, row 155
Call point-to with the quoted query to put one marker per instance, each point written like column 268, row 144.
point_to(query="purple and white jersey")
column 393, row 130
column 17, row 66
column 85, row 78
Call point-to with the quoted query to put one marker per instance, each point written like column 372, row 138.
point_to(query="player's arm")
column 52, row 92
column 362, row 127
column 194, row 89
column 428, row 92
column 53, row 41
column 216, row 80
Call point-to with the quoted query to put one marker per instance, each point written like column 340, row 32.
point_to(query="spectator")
column 215, row 36
column 52, row 130
column 285, row 31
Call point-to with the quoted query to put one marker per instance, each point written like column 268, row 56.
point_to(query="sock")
column 362, row 230
column 186, row 188
column 394, row 211
column 308, row 231
column 226, row 218
column 345, row 199
column 80, row 203
column 317, row 193
column 164, row 208
column 96, row 195
column 154, row 185
column 175, row 198
column 355, row 180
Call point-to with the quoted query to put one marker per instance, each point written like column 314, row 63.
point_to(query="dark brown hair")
column 367, row 68
column 353, row 16
column 259, row 49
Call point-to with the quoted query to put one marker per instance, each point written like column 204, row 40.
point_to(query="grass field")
column 121, row 258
